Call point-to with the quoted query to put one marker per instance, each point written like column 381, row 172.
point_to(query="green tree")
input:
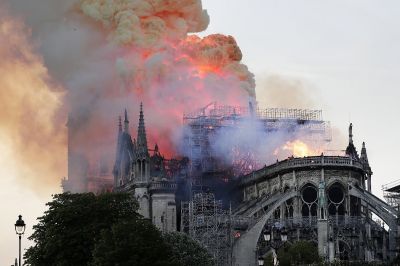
column 66, row 233
column 299, row 253
column 106, row 230
column 133, row 242
column 186, row 251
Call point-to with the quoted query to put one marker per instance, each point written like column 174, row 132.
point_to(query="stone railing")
column 297, row 222
column 243, row 222
column 296, row 163
column 340, row 221
column 343, row 221
column 163, row 186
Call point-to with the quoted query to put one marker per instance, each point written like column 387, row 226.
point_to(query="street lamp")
column 284, row 235
column 269, row 237
column 20, row 230
column 260, row 261
column 267, row 234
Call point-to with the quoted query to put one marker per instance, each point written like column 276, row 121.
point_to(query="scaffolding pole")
column 205, row 122
column 205, row 221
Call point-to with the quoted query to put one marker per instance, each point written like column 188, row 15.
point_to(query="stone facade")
column 323, row 199
column 145, row 176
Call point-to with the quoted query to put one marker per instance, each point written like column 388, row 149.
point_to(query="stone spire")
column 119, row 133
column 118, row 154
column 351, row 149
column 351, row 133
column 367, row 167
column 119, row 125
column 364, row 156
column 141, row 135
column 156, row 148
column 126, row 122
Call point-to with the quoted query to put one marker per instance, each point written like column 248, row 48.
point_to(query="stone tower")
column 141, row 168
column 145, row 176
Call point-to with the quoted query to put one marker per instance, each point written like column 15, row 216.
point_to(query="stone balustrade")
column 298, row 163
column 163, row 186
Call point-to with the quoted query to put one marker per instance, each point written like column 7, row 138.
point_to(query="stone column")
column 322, row 219
column 361, row 239
column 331, row 251
column 384, row 250
column 322, row 237
column 296, row 208
column 282, row 212
column 369, row 182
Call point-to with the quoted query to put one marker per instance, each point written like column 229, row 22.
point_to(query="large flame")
column 299, row 148
column 31, row 128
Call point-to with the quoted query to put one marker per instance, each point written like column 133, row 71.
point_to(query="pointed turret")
column 119, row 136
column 156, row 149
column 126, row 122
column 134, row 145
column 119, row 140
column 351, row 149
column 141, row 136
column 364, row 156
column 124, row 153
column 116, row 169
column 367, row 167
column 351, row 133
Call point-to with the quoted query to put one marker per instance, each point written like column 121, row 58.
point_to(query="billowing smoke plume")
column 110, row 55
column 152, row 59
column 147, row 23
column 31, row 127
column 113, row 54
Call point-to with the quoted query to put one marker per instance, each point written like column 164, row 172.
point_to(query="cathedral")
column 324, row 199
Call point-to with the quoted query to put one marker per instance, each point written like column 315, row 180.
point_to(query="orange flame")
column 299, row 148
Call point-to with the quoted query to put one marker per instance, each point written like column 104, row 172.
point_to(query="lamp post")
column 20, row 229
column 269, row 237
column 260, row 261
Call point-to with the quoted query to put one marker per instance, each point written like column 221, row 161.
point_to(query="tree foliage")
column 299, row 253
column 133, row 242
column 106, row 230
column 186, row 251
column 66, row 233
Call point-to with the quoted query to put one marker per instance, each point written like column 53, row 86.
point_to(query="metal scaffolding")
column 205, row 221
column 206, row 122
column 391, row 193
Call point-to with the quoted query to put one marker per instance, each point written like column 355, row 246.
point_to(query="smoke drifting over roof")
column 108, row 55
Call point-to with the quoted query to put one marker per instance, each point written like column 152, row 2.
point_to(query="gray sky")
column 345, row 53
